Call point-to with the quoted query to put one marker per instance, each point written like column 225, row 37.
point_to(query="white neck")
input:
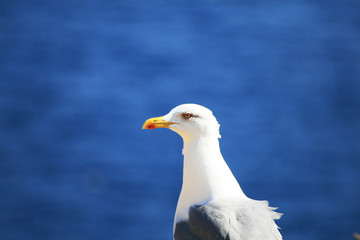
column 206, row 176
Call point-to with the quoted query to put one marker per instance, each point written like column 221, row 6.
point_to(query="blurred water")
column 79, row 78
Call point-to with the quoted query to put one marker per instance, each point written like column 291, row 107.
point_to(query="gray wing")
column 202, row 224
column 230, row 221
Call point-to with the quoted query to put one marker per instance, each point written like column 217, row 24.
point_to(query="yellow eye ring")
column 187, row 115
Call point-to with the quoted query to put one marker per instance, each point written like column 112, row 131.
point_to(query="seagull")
column 211, row 205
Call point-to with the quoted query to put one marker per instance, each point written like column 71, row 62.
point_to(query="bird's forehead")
column 191, row 108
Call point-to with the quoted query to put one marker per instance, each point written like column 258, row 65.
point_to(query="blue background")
column 79, row 78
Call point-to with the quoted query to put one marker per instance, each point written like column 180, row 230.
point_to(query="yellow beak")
column 157, row 122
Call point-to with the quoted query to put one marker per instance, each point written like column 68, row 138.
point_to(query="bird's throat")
column 201, row 158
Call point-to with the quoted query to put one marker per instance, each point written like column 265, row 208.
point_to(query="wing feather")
column 233, row 220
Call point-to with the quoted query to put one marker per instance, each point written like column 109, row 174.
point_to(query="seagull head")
column 188, row 120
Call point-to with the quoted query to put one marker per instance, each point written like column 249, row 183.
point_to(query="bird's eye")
column 187, row 115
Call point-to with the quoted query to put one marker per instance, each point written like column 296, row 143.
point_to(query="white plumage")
column 211, row 203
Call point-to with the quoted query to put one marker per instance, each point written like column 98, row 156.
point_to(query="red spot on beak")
column 150, row 126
